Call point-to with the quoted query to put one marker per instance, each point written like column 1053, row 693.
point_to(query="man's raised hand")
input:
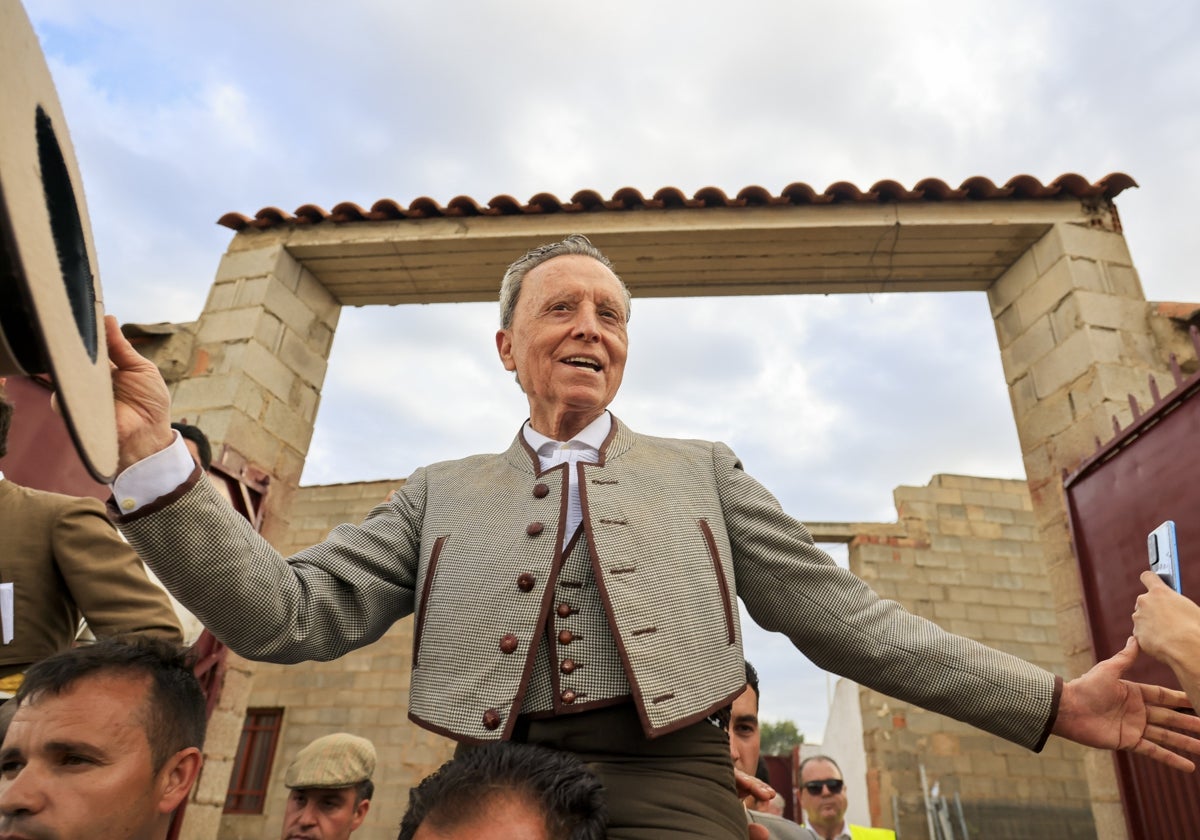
column 140, row 397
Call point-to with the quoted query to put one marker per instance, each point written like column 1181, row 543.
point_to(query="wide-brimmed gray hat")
column 332, row 761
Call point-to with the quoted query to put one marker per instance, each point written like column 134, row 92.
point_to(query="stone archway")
column 1075, row 331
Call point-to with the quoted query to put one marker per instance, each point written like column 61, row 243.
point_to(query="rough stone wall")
column 364, row 692
column 972, row 563
column 202, row 817
column 258, row 363
column 1077, row 337
column 249, row 373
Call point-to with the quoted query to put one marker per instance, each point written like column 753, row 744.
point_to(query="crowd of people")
column 597, row 685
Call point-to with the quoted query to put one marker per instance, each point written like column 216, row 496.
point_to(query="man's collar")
column 593, row 434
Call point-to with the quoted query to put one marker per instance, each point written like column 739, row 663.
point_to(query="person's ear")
column 360, row 814
column 504, row 348
column 176, row 778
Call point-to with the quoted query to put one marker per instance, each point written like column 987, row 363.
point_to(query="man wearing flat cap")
column 330, row 788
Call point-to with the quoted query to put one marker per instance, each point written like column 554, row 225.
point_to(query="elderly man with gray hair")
column 580, row 590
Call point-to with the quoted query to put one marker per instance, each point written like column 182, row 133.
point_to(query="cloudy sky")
column 180, row 112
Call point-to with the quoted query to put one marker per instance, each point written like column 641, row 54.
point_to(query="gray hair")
column 577, row 244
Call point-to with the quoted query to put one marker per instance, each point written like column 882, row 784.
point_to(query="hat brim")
column 51, row 307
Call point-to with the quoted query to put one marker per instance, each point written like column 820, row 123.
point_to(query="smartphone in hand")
column 1164, row 554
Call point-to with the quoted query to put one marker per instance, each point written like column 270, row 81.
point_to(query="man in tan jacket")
column 65, row 560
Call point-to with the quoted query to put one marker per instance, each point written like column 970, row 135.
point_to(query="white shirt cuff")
column 152, row 477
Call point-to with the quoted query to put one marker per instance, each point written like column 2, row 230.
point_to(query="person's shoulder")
column 468, row 463
column 27, row 511
column 671, row 444
column 19, row 494
column 661, row 451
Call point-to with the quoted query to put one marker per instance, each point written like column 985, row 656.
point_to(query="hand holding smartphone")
column 1164, row 554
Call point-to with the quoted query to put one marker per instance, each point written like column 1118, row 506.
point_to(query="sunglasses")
column 814, row 787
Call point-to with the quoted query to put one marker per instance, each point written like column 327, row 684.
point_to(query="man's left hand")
column 1099, row 709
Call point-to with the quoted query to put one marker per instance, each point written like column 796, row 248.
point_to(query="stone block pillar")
column 202, row 819
column 1075, row 339
column 261, row 350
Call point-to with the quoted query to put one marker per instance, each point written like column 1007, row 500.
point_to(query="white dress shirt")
column 583, row 448
column 152, row 477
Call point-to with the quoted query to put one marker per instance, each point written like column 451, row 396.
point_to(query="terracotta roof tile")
column 977, row 188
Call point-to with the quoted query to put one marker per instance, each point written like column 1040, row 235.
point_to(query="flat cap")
column 332, row 761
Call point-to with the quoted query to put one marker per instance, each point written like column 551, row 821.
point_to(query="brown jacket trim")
column 458, row 736
column 606, row 599
column 696, row 717
column 711, row 541
column 534, row 460
column 579, row 707
column 547, row 594
column 1058, row 690
column 115, row 514
column 419, row 628
column 612, row 433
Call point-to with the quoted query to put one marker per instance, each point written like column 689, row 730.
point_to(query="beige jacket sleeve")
column 106, row 578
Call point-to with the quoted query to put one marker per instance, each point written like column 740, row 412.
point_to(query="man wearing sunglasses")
column 823, row 800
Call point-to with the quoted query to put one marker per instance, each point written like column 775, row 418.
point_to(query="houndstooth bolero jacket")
column 677, row 532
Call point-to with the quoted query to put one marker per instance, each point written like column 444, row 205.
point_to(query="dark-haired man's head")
column 744, row 736
column 105, row 742
column 507, row 790
column 823, row 795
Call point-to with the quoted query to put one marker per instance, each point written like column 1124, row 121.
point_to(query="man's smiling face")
column 567, row 343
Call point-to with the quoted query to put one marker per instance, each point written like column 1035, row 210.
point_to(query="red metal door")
column 1146, row 475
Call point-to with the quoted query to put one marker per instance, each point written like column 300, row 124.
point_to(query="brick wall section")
column 256, row 363
column 364, row 692
column 261, row 351
column 202, row 818
column 972, row 563
column 1076, row 338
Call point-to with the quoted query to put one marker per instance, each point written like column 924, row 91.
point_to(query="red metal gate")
column 1148, row 473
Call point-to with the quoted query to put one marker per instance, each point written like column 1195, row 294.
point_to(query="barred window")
column 252, row 766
